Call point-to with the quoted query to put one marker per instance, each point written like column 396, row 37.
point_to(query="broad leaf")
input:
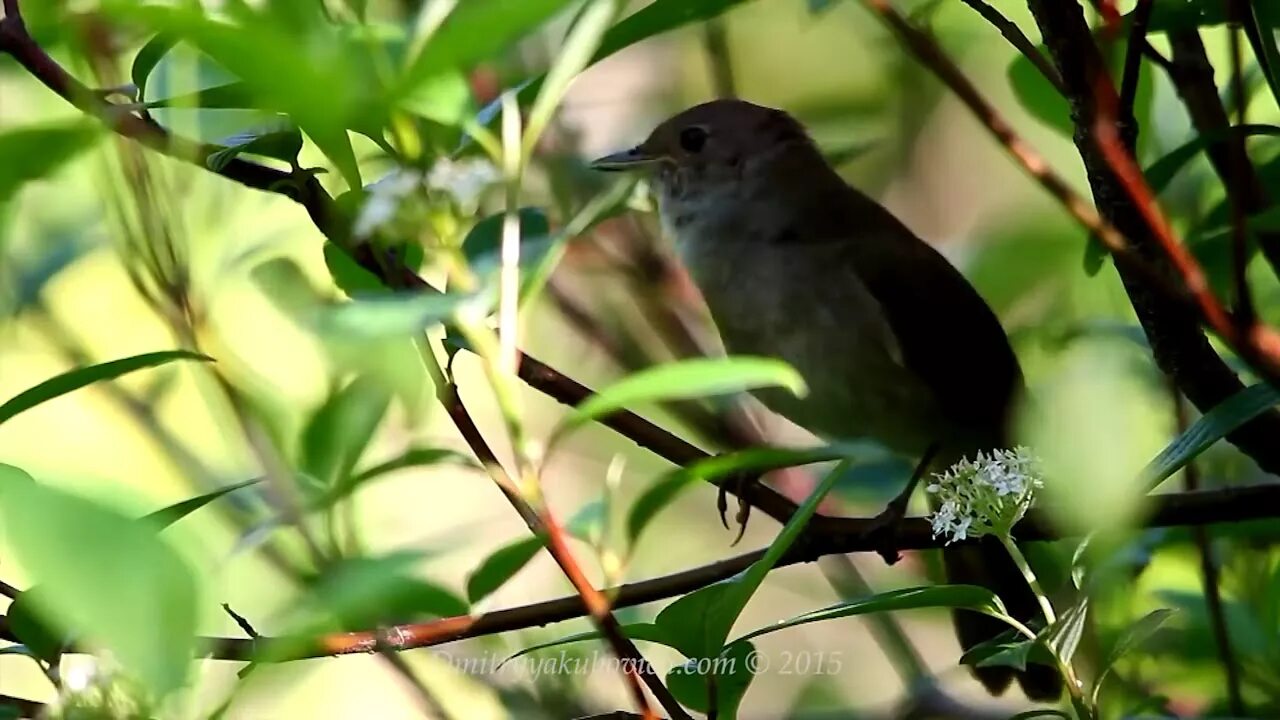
column 1208, row 429
column 34, row 152
column 348, row 275
column 108, row 578
column 501, row 565
column 393, row 315
column 702, row 377
column 281, row 141
column 483, row 243
column 366, row 592
column 31, row 628
column 147, row 59
column 81, row 377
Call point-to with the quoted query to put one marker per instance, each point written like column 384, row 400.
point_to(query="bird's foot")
column 738, row 483
column 883, row 530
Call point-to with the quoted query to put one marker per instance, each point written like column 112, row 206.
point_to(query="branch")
column 826, row 536
column 1019, row 41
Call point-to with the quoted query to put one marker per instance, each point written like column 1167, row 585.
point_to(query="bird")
column 892, row 340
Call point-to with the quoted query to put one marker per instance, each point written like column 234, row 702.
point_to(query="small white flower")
column 384, row 200
column 984, row 496
column 465, row 179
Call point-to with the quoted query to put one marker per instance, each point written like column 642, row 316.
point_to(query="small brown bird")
column 894, row 343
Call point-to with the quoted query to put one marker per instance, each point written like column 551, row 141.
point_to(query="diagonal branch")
column 1018, row 40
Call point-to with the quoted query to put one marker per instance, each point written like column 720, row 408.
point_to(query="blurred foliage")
column 321, row 490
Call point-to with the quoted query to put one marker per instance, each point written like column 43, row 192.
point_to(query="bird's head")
column 716, row 153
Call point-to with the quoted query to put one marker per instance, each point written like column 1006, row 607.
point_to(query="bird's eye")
column 693, row 138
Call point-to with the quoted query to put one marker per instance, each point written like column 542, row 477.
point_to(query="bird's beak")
column 631, row 159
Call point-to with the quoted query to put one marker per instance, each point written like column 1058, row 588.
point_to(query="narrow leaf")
column 1208, row 429
column 1133, row 636
column 962, row 597
column 167, row 516
column 1162, row 172
column 636, row 631
column 686, row 379
column 730, row 673
column 81, row 377
column 147, row 59
column 392, row 315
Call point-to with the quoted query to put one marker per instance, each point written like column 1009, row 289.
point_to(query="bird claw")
column 739, row 484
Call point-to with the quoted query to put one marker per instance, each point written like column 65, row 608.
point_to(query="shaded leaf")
column 1064, row 635
column 501, row 565
column 730, row 673
column 80, row 377
column 686, row 379
column 1133, row 636
column 106, row 577
column 279, row 142
column 34, row 152
column 370, row 591
column 1040, row 713
column 413, row 457
column 348, row 275
column 444, row 98
column 1208, row 429
column 147, row 59
column 167, row 516
column 483, row 243
column 1162, row 172
column 30, row 626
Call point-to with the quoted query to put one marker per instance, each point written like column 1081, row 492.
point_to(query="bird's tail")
column 987, row 564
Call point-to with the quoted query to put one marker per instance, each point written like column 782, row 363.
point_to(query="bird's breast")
column 804, row 303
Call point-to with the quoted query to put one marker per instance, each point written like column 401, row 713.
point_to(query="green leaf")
column 962, row 597
column 234, row 95
column 574, row 56
column 1264, row 46
column 348, row 275
column 501, row 565
column 1133, row 636
column 444, row 98
column 1192, row 14
column 359, row 593
column 754, row 460
column 1040, row 713
column 81, row 377
column 1211, row 427
column 167, row 516
column 1063, row 636
column 34, row 152
column 281, row 141
column 1038, row 96
column 1008, row 653
column 107, row 577
column 653, row 19
column 483, row 243
column 701, row 377
column 636, row 631
column 587, row 524
column 32, row 628
column 413, row 457
column 147, row 59
column 474, row 31
column 730, row 673
column 1162, row 172
column 393, row 315
column 337, row 434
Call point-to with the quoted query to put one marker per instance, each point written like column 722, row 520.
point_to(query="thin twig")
column 1210, row 578
column 1019, row 41
column 715, row 41
column 1141, row 18
column 241, row 621
column 1244, row 310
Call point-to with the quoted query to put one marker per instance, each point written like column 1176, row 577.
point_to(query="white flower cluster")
column 985, row 496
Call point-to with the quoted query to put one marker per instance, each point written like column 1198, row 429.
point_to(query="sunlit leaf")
column 167, row 516
column 361, row 593
column 80, row 377
column 444, row 98
column 1064, row 635
column 31, row 628
column 282, row 142
column 702, row 377
column 390, row 315
column 413, row 457
column 35, row 152
column 147, row 59
column 107, row 577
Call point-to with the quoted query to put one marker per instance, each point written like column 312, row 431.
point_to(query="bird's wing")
column 946, row 332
